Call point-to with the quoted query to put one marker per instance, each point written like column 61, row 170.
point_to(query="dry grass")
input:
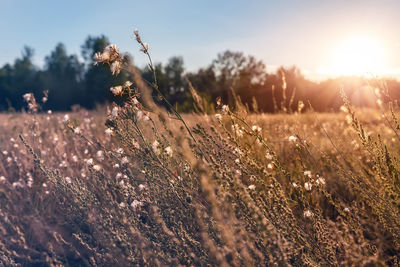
column 136, row 185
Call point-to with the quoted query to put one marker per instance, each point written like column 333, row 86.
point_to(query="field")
column 132, row 187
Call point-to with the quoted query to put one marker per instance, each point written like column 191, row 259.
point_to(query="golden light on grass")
column 357, row 55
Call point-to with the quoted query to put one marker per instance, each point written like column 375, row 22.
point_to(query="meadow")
column 141, row 185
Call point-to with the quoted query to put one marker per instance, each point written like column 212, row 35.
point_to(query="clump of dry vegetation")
column 149, row 186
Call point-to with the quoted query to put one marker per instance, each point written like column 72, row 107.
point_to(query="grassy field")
column 135, row 188
column 135, row 185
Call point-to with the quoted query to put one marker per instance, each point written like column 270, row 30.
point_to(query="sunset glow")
column 358, row 55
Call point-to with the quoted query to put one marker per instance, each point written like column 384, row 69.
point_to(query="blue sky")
column 302, row 33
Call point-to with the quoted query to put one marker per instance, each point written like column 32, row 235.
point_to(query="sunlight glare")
column 358, row 56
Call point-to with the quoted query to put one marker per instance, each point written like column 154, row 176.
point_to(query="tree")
column 236, row 72
column 63, row 77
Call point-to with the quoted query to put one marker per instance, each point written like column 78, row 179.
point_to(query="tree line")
column 231, row 75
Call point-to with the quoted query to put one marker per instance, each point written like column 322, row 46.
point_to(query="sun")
column 358, row 55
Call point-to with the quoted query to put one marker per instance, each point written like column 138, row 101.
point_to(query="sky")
column 322, row 38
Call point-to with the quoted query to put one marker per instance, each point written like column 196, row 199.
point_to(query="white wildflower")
column 116, row 90
column 65, row 118
column 114, row 112
column 225, row 109
column 128, row 84
column 168, row 151
column 135, row 204
column 256, row 128
column 308, row 214
column 68, row 180
column 124, row 161
column 320, row 181
column 141, row 187
column 108, row 131
column 292, row 138
column 218, row 116
column 156, row 147
column 252, row 187
column 96, row 167
column 308, row 186
column 89, row 162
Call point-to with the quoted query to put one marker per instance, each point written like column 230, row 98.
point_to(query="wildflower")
column 122, row 205
column 141, row 187
column 100, row 155
column 2, row 178
column 49, row 112
column 168, row 150
column 5, row 152
column 155, row 147
column 270, row 166
column 308, row 214
column 135, row 204
column 346, row 210
column 18, row 184
column 77, row 130
column 89, row 162
column 320, row 181
column 63, row 164
column 256, row 128
column 128, row 84
column 379, row 102
column 116, row 67
column 120, row 150
column 307, row 173
column 74, row 158
column 252, row 187
column 292, row 139
column 268, row 156
column 225, row 109
column 68, row 180
column 119, row 175
column 238, row 172
column 114, row 112
column 135, row 144
column 308, row 186
column 294, row 184
column 124, row 161
column 145, row 48
column 344, row 109
column 218, row 116
column 116, row 90
column 116, row 166
column 237, row 161
column 135, row 101
column 96, row 167
column 108, row 131
column 65, row 118
column 27, row 97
